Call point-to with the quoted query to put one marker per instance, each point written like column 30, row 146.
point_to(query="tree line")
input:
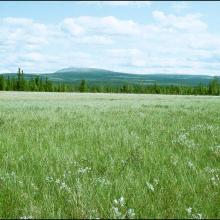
column 19, row 83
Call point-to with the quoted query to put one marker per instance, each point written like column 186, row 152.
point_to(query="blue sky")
column 136, row 37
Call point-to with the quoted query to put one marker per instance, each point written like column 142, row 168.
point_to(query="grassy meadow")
column 79, row 155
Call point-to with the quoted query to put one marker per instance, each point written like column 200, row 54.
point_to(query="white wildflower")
column 184, row 140
column 191, row 165
column 93, row 213
column 121, row 201
column 116, row 201
column 130, row 213
column 26, row 217
column 194, row 216
column 215, row 180
column 197, row 216
column 57, row 181
column 84, row 170
column 212, row 170
column 116, row 211
column 119, row 209
column 209, row 170
column 64, row 187
column 189, row 210
column 150, row 186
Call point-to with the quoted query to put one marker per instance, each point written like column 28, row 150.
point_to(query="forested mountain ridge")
column 105, row 77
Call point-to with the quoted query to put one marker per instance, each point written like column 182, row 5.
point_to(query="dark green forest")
column 19, row 83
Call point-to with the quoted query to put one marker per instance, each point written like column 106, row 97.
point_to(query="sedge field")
column 79, row 155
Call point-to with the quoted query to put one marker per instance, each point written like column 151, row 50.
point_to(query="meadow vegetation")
column 81, row 155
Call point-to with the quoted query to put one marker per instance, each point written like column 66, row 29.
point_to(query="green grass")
column 66, row 155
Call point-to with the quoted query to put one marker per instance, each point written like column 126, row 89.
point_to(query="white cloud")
column 179, row 6
column 169, row 44
column 191, row 22
column 24, row 31
column 70, row 25
column 96, row 25
column 132, row 57
column 17, row 21
column 95, row 39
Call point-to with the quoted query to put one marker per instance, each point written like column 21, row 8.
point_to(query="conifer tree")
column 2, row 83
column 83, row 86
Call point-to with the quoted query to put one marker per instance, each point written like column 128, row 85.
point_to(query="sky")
column 142, row 37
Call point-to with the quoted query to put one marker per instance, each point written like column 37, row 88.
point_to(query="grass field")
column 66, row 155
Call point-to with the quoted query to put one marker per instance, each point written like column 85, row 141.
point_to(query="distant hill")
column 100, row 76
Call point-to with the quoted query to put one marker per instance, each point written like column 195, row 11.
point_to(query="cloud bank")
column 168, row 44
